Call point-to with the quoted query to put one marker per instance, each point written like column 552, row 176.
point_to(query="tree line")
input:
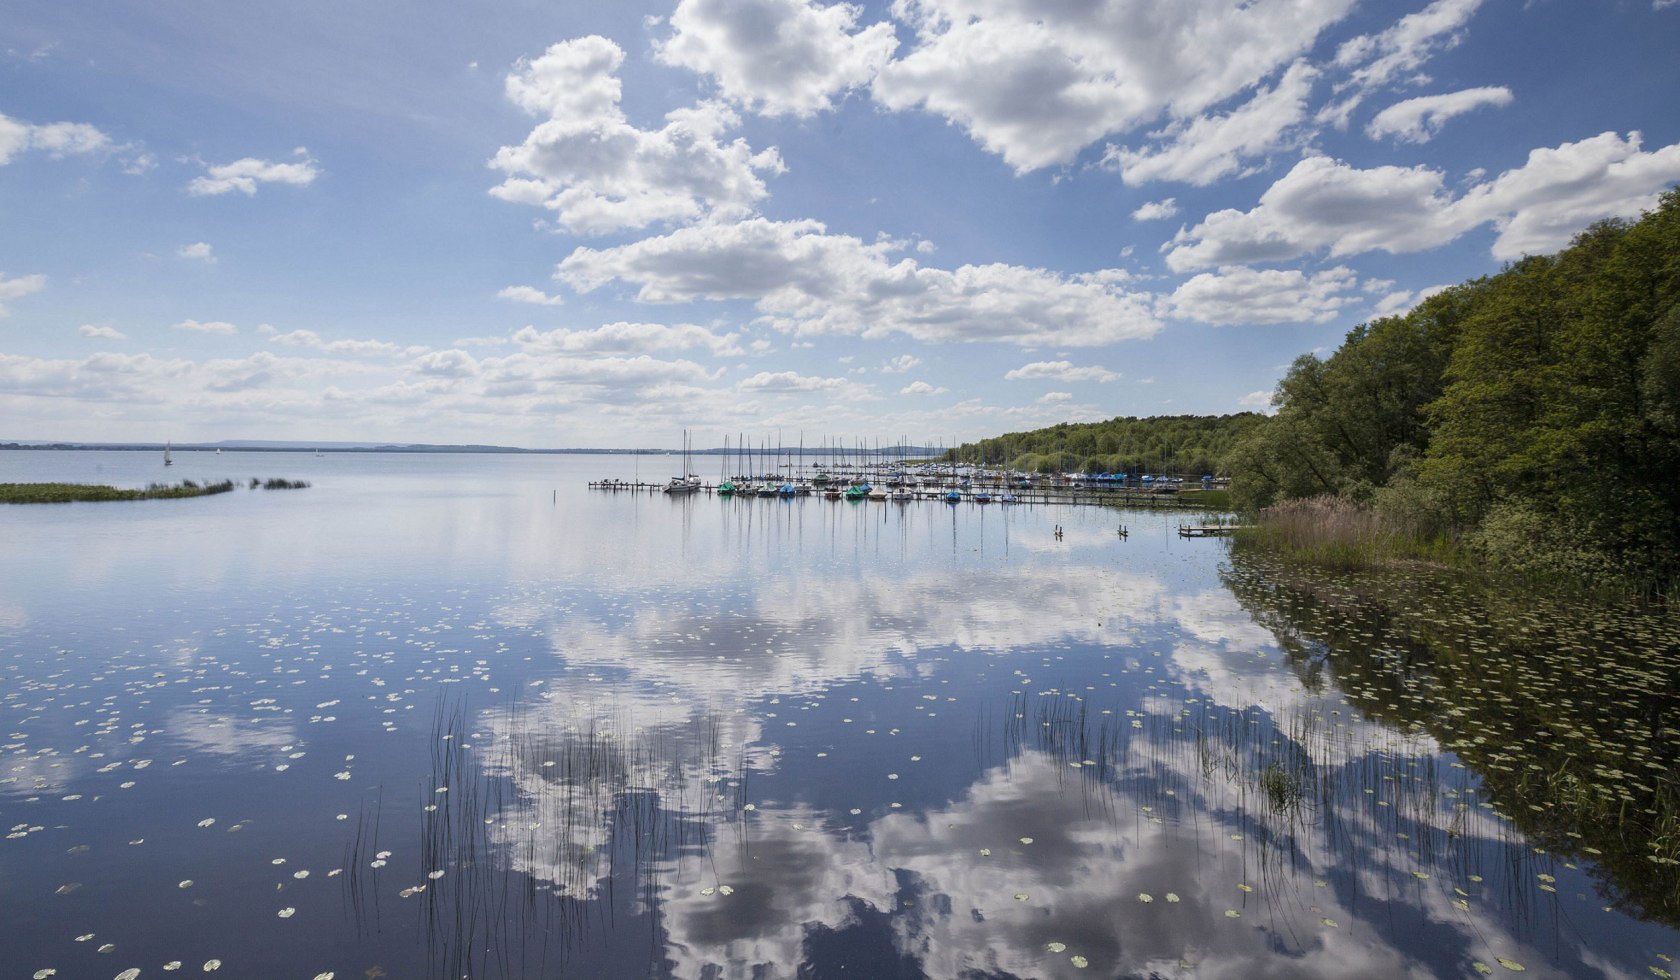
column 1532, row 416
column 1182, row 445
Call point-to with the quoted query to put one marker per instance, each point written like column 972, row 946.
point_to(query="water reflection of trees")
column 1569, row 712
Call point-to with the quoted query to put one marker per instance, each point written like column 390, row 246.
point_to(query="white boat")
column 689, row 482
column 166, row 460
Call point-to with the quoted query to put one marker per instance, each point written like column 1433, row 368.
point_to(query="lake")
column 460, row 715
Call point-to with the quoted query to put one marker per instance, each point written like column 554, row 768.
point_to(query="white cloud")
column 597, row 172
column 1156, row 210
column 213, row 326
column 900, row 364
column 1418, row 120
column 777, row 57
column 197, row 250
column 1256, row 399
column 1036, row 83
column 626, row 338
column 1055, row 397
column 243, row 175
column 1240, row 295
column 57, row 140
column 921, row 388
column 806, row 281
column 1326, row 204
column 1395, row 55
column 99, row 331
column 1541, row 205
column 1060, row 371
column 789, row 381
column 313, row 341
column 452, row 363
column 529, row 294
column 1203, row 150
column 18, row 287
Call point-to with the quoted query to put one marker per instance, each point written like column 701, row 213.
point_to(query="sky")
column 557, row 224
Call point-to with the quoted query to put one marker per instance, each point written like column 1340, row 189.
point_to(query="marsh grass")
column 64, row 493
column 1345, row 535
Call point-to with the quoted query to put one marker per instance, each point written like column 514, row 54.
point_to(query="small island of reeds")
column 65, row 493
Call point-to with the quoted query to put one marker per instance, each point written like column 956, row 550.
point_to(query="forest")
column 1182, row 445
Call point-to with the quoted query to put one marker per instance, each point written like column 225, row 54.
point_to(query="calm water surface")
column 450, row 716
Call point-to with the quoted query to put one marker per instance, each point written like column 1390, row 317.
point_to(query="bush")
column 1517, row 537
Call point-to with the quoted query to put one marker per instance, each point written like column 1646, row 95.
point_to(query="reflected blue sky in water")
column 900, row 694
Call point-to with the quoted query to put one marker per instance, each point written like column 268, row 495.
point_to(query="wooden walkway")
column 1208, row 530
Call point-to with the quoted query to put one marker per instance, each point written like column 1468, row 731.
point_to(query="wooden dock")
column 1075, row 496
column 1208, row 530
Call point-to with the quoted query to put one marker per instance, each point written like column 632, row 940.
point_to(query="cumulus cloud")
column 597, row 172
column 57, row 140
column 806, row 281
column 99, row 331
column 1156, row 210
column 900, row 364
column 1060, row 371
column 777, row 57
column 1395, row 55
column 1035, row 84
column 197, row 250
column 1240, row 295
column 1256, row 399
column 790, row 381
column 245, row 174
column 529, row 294
column 213, row 326
column 629, row 338
column 921, row 388
column 1324, row 204
column 1418, row 120
column 18, row 287
column 1207, row 148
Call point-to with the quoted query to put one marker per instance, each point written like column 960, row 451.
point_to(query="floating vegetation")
column 1568, row 710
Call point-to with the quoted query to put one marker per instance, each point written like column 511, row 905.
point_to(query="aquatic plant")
column 1582, row 769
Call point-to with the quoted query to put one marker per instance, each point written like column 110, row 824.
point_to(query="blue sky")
column 556, row 225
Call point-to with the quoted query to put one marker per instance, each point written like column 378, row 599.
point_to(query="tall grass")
column 64, row 493
column 1344, row 534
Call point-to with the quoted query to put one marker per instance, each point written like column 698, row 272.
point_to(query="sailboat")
column 166, row 460
column 726, row 486
column 687, row 483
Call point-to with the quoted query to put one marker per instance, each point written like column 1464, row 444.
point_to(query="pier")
column 1074, row 496
column 1208, row 530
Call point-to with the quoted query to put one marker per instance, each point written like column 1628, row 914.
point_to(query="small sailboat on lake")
column 688, row 482
column 166, row 460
